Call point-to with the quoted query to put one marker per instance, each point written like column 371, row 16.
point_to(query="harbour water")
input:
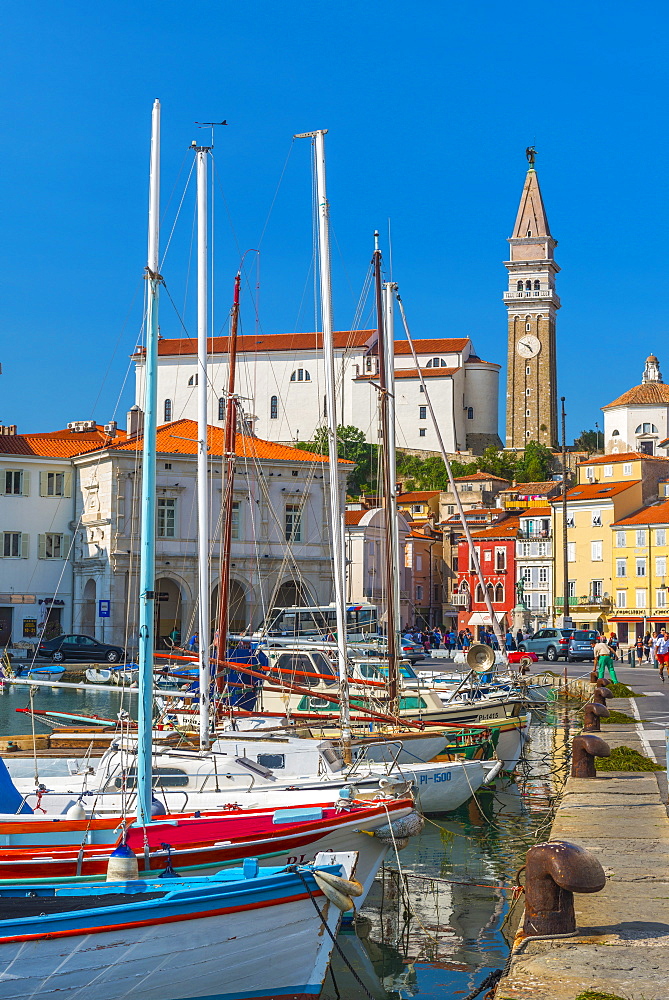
column 439, row 921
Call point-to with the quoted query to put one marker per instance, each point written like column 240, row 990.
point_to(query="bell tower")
column 532, row 304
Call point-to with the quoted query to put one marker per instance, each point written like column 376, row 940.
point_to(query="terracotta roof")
column 628, row 456
column 478, row 477
column 354, row 516
column 597, row 491
column 535, row 488
column 418, row 495
column 648, row 394
column 505, row 529
column 259, row 344
column 473, row 360
column 655, row 514
column 538, row 512
column 180, row 438
column 433, row 346
column 58, row 444
column 413, row 373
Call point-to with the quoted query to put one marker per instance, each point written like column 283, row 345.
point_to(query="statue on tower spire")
column 531, row 153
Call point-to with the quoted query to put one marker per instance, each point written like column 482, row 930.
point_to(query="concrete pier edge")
column 621, row 945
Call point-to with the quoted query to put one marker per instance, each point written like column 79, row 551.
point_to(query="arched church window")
column 529, row 232
column 646, row 429
column 479, row 593
column 436, row 363
column 167, row 411
column 537, row 285
column 528, row 327
column 301, row 375
column 615, row 433
column 192, row 380
column 470, row 413
column 519, row 286
column 528, row 285
column 273, row 407
column 221, row 408
column 499, row 594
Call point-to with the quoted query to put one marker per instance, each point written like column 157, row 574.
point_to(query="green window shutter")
column 2, row 545
column 41, row 546
column 43, row 480
column 67, row 484
column 65, row 541
column 25, row 545
column 26, row 483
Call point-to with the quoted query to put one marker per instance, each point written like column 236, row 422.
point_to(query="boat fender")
column 347, row 886
column 400, row 830
column 157, row 807
column 122, row 865
column 76, row 811
column 340, row 900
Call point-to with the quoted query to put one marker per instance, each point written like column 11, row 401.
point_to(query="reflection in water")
column 436, row 928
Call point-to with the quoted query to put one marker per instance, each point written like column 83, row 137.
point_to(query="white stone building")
column 364, row 533
column 638, row 421
column 37, row 509
column 281, row 379
column 280, row 549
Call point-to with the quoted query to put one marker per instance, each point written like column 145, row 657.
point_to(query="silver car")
column 551, row 643
column 580, row 645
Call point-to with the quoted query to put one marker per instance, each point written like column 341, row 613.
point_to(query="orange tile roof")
column 648, row 394
column 508, row 528
column 180, row 438
column 628, row 456
column 58, row 444
column 597, row 491
column 538, row 512
column 478, row 477
column 535, row 488
column 417, row 495
column 432, row 346
column 654, row 514
column 354, row 516
column 259, row 344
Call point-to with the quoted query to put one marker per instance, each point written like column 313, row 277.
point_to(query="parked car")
column 79, row 647
column 519, row 656
column 580, row 645
column 412, row 651
column 551, row 643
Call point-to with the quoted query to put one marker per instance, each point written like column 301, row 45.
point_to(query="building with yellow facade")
column 640, row 582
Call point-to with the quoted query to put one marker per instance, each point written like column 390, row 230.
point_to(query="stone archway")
column 238, row 613
column 89, row 597
column 292, row 593
column 168, row 610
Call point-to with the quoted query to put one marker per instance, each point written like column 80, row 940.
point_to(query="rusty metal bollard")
column 585, row 748
column 600, row 695
column 553, row 873
column 593, row 713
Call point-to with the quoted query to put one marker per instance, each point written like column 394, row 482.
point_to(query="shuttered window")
column 15, row 545
column 52, row 545
column 55, row 484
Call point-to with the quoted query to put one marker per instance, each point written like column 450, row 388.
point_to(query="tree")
column 590, row 441
column 498, row 463
column 536, row 465
column 351, row 444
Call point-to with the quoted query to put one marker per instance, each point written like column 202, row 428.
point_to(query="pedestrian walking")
column 653, row 649
column 638, row 646
column 613, row 645
column 663, row 652
column 603, row 660
column 646, row 646
column 509, row 641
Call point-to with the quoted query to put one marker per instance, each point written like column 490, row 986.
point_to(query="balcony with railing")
column 535, row 536
column 589, row 601
column 533, row 293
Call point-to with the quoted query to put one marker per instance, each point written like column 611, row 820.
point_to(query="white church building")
column 280, row 378
column 638, row 421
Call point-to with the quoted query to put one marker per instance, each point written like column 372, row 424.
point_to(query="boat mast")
column 336, row 515
column 388, row 487
column 228, row 488
column 389, row 288
column 204, row 613
column 147, row 566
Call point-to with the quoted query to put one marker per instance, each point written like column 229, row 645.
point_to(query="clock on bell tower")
column 532, row 304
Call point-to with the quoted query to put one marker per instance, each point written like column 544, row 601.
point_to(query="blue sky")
column 429, row 109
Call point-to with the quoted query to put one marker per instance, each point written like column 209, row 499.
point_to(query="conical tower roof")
column 531, row 219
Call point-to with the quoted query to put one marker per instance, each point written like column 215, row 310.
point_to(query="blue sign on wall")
column 104, row 608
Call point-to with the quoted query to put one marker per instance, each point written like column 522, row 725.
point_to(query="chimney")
column 135, row 422
column 8, row 429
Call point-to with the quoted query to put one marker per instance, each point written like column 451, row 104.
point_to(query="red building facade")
column 496, row 547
